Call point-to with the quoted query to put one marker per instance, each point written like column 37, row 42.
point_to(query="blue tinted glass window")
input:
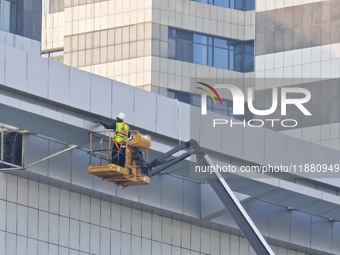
column 232, row 4
column 242, row 5
column 203, row 1
column 210, row 54
column 184, row 35
column 201, row 54
column 180, row 96
column 223, row 3
column 211, row 51
column 196, row 100
column 200, row 49
column 231, row 58
column 172, row 43
column 239, row 4
column 249, row 47
column 8, row 16
column 221, row 58
column 184, row 51
column 172, row 34
column 249, row 57
column 238, row 57
column 200, row 38
column 248, row 63
column 249, row 5
column 222, row 43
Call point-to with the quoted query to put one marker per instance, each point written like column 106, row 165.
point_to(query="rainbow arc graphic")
column 209, row 90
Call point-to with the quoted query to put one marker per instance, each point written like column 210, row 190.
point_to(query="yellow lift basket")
column 129, row 175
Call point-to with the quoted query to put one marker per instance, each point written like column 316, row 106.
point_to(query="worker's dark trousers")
column 118, row 155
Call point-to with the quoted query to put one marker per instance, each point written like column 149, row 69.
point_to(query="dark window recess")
column 12, row 149
column 183, row 97
column 211, row 51
column 242, row 5
column 225, row 109
column 8, row 16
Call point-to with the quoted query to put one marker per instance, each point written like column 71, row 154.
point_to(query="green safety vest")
column 121, row 134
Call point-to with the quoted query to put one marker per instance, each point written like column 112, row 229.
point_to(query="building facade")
column 297, row 40
column 158, row 45
column 163, row 47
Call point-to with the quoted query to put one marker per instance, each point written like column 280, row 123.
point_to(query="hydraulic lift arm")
column 221, row 188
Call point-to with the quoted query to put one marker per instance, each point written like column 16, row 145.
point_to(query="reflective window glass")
column 200, row 38
column 200, row 54
column 242, row 5
column 222, row 43
column 211, row 51
column 184, row 51
column 222, row 3
column 221, row 58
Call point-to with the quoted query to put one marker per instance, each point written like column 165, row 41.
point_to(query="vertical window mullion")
column 244, row 58
column 212, row 52
column 228, row 46
column 207, row 48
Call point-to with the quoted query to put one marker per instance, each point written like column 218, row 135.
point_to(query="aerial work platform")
column 118, row 175
column 130, row 174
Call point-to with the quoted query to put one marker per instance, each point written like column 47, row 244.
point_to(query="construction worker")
column 120, row 137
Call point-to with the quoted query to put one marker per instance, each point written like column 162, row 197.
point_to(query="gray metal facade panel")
column 15, row 66
column 145, row 100
column 232, row 142
column 79, row 174
column 3, row 215
column 151, row 194
column 321, row 236
column 163, row 124
column 123, row 96
column 132, row 193
column 59, row 167
column 191, row 199
column 80, row 91
column 210, row 203
column 172, row 194
column 274, row 148
column 58, row 82
column 259, row 212
column 37, row 75
column 100, row 95
column 253, row 145
column 2, row 64
column 300, row 230
column 297, row 27
column 36, row 149
column 335, row 237
column 279, row 221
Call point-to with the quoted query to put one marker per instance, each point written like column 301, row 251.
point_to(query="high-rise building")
column 162, row 46
column 143, row 58
column 157, row 45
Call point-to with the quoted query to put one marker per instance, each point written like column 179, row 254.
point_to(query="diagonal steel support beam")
column 241, row 217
